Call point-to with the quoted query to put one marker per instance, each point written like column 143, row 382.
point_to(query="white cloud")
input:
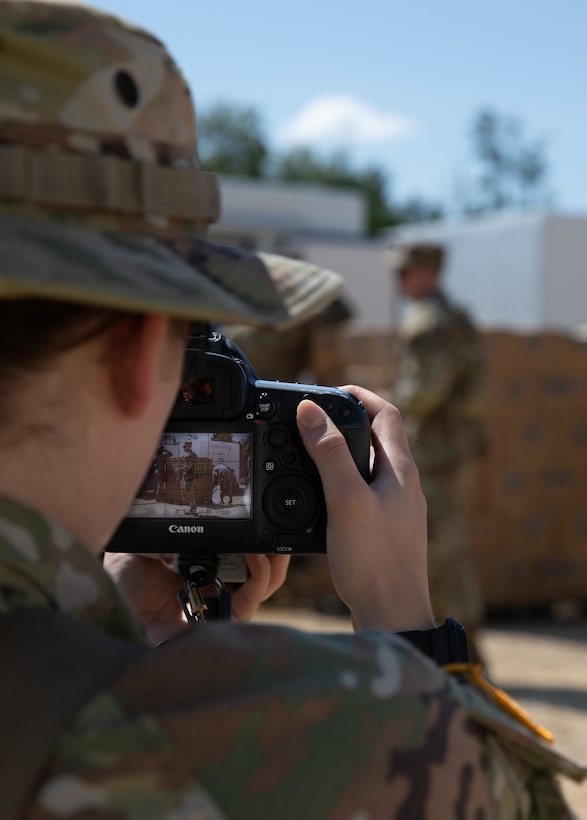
column 343, row 119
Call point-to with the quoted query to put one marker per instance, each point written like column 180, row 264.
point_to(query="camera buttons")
column 345, row 410
column 265, row 406
column 278, row 437
column 290, row 503
column 288, row 542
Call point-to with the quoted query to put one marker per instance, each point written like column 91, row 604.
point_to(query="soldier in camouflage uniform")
column 160, row 471
column 188, row 477
column 289, row 353
column 103, row 208
column 438, row 388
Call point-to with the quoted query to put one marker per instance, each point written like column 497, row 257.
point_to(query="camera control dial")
column 290, row 503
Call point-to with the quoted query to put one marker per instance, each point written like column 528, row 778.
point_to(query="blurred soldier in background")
column 439, row 390
column 297, row 353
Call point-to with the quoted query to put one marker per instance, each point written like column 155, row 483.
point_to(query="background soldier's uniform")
column 438, row 389
column 289, row 354
column 244, row 721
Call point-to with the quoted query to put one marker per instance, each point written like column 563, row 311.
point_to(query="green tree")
column 511, row 171
column 231, row 140
column 304, row 165
column 417, row 209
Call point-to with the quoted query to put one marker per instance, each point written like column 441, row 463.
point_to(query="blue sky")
column 416, row 72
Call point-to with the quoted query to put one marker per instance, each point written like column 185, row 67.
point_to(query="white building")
column 517, row 271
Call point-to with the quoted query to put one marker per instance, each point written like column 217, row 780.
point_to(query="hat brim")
column 195, row 279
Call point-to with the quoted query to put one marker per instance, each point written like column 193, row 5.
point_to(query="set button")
column 290, row 503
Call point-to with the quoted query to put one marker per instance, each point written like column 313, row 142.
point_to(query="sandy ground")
column 539, row 661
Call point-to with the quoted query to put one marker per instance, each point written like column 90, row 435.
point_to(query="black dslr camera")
column 231, row 474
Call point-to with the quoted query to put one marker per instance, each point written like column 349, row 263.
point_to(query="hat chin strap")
column 107, row 184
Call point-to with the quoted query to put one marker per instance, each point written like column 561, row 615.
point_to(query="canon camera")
column 230, row 474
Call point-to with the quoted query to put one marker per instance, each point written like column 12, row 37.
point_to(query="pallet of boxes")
column 528, row 504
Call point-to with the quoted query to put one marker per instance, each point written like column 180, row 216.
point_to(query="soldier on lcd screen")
column 160, row 471
column 188, row 476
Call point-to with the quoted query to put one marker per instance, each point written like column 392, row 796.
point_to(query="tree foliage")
column 305, row 165
column 511, row 171
column 231, row 141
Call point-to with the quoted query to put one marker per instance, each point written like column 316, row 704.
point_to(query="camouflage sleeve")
column 248, row 722
column 427, row 369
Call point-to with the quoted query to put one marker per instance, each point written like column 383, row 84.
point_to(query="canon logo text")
column 195, row 529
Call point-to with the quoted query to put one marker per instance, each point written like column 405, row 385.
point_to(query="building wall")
column 565, row 263
column 368, row 286
column 515, row 271
column 293, row 207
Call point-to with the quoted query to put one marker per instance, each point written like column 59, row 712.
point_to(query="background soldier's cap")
column 102, row 197
column 407, row 256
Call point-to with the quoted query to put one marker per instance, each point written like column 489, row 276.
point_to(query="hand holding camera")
column 151, row 587
column 231, row 474
column 252, row 466
column 376, row 532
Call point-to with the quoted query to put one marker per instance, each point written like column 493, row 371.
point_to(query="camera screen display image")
column 198, row 475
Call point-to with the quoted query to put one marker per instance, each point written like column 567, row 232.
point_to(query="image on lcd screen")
column 198, row 475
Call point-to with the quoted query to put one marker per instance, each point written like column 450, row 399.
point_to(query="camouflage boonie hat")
column 407, row 256
column 102, row 197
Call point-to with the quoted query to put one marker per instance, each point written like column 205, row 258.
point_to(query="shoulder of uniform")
column 492, row 708
column 426, row 316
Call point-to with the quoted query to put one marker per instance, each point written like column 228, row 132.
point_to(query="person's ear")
column 135, row 348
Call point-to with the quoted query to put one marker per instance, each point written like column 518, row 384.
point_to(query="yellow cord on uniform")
column 475, row 674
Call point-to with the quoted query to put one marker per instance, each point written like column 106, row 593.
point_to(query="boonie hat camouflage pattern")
column 102, row 198
column 403, row 257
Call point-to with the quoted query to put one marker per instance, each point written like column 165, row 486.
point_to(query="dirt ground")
column 541, row 661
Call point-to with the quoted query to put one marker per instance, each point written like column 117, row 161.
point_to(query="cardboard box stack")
column 528, row 502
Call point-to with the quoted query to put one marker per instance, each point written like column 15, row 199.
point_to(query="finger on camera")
column 327, row 446
column 388, row 435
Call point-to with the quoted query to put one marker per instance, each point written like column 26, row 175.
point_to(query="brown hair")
column 33, row 331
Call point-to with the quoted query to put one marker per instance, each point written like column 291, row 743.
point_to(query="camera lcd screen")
column 198, row 476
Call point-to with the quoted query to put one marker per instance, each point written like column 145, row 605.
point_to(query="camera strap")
column 51, row 666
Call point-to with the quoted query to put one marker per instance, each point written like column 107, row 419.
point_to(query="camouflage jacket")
column 439, row 382
column 245, row 721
